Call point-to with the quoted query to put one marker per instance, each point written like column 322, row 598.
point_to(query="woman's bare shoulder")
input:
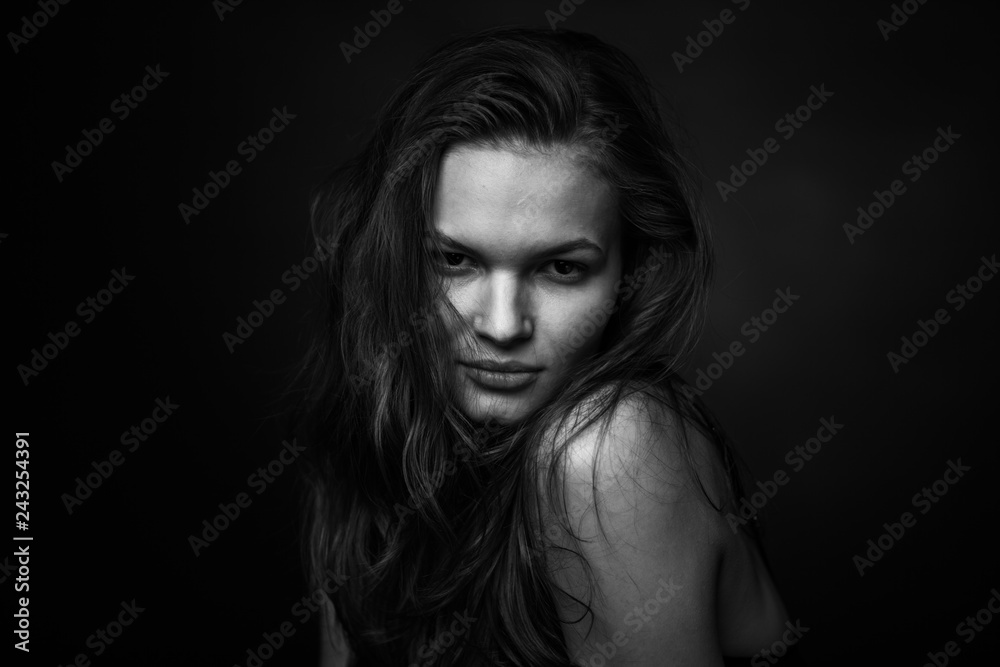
column 648, row 538
column 643, row 442
column 642, row 490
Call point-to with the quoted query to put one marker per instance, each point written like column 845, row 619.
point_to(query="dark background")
column 162, row 336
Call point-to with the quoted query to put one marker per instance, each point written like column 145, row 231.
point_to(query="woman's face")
column 531, row 255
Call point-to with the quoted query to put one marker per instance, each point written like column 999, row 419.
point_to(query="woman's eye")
column 561, row 270
column 452, row 260
column 568, row 271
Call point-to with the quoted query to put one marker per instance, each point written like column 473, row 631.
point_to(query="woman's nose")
column 502, row 310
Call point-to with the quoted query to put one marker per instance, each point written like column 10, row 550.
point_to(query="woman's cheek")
column 583, row 329
column 457, row 297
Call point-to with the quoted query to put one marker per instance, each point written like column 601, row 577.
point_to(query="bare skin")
column 530, row 250
column 504, row 218
column 673, row 584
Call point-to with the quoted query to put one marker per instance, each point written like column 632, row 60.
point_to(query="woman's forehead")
column 495, row 191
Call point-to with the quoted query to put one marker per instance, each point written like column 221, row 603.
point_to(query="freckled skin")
column 523, row 302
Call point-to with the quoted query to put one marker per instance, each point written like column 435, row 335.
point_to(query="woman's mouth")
column 502, row 380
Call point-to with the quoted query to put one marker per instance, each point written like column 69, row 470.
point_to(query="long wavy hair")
column 421, row 514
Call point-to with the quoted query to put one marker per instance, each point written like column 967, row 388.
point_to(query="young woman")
column 507, row 469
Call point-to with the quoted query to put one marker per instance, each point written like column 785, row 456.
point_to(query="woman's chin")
column 482, row 404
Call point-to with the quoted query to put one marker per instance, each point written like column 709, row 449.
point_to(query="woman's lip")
column 503, row 380
column 509, row 367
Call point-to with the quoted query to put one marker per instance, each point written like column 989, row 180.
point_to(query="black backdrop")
column 222, row 76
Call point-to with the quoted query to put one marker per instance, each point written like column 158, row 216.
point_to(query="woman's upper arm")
column 654, row 547
column 334, row 650
column 751, row 612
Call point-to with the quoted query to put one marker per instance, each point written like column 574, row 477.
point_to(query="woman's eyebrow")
column 580, row 243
